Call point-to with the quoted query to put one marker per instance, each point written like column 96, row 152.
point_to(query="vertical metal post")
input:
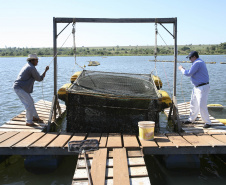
column 175, row 58
column 175, row 108
column 55, row 63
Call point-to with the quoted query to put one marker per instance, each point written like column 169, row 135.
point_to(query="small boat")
column 93, row 63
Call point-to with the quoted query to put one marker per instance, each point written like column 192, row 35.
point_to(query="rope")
column 49, row 65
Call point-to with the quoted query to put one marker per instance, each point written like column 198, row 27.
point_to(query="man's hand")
column 180, row 67
column 44, row 74
column 47, row 68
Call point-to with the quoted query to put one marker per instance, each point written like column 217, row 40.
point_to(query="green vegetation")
column 218, row 49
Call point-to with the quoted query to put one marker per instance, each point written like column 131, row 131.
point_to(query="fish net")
column 111, row 102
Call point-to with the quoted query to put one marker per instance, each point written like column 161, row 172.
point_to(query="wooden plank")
column 45, row 140
column 211, row 140
column 221, row 138
column 98, row 168
column 134, row 171
column 135, row 161
column 194, row 140
column 30, row 139
column 103, row 140
column 15, row 139
column 130, row 141
column 20, row 127
column 19, row 130
column 120, row 167
column 178, row 140
column 77, row 137
column 163, row 141
column 150, row 144
column 94, row 136
column 114, row 140
column 2, row 132
column 7, row 135
column 61, row 140
column 22, row 123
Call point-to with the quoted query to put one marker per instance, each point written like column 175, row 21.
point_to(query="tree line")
column 217, row 49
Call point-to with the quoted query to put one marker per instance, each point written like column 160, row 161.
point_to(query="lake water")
column 212, row 169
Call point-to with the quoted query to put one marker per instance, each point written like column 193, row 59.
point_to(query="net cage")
column 111, row 102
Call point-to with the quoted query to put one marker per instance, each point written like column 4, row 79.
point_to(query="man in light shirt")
column 23, row 86
column 200, row 79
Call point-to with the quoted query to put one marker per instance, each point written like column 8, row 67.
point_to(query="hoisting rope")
column 74, row 45
column 49, row 65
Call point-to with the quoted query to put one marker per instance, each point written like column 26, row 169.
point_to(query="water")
column 212, row 170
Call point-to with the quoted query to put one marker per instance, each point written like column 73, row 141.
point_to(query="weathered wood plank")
column 221, row 138
column 94, row 136
column 103, row 140
column 45, row 140
column 30, row 139
column 15, row 139
column 211, row 140
column 163, row 141
column 77, row 137
column 114, row 140
column 135, row 161
column 61, row 140
column 194, row 140
column 7, row 135
column 150, row 144
column 98, row 167
column 120, row 167
column 178, row 140
column 130, row 141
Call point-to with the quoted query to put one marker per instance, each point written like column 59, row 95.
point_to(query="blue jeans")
column 28, row 103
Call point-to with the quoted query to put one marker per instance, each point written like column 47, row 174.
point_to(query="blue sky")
column 28, row 23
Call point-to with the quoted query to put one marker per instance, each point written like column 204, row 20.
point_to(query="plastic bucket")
column 146, row 130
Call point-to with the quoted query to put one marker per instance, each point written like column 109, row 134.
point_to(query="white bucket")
column 146, row 130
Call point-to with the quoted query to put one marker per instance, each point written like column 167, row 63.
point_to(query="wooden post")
column 51, row 113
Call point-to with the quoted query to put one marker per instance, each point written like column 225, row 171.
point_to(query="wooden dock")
column 197, row 126
column 119, row 159
column 113, row 167
column 18, row 122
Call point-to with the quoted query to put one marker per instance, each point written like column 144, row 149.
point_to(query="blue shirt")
column 26, row 78
column 198, row 72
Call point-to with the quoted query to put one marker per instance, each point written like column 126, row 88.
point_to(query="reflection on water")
column 12, row 172
column 212, row 171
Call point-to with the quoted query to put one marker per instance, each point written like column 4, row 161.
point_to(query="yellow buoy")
column 62, row 92
column 166, row 100
column 222, row 121
column 157, row 81
column 75, row 76
column 215, row 105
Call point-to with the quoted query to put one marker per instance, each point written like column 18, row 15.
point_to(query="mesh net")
column 111, row 102
column 115, row 84
column 84, row 145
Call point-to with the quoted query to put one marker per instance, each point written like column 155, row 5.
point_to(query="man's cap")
column 32, row 56
column 192, row 53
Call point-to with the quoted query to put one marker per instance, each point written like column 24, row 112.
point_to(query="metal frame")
column 57, row 20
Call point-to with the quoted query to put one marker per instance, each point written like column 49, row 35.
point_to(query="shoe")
column 30, row 124
column 37, row 120
column 207, row 126
column 187, row 122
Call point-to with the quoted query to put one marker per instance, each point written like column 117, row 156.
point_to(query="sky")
column 29, row 23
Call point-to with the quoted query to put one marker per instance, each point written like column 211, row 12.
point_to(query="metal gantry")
column 57, row 20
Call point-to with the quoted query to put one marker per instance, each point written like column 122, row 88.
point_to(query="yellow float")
column 166, row 100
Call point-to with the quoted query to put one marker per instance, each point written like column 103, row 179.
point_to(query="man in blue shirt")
column 23, row 86
column 200, row 80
